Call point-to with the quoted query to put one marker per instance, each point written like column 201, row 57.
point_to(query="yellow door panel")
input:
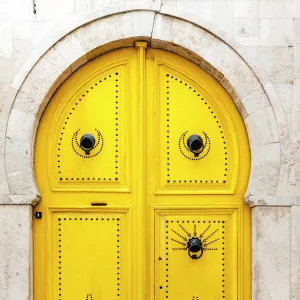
column 93, row 101
column 90, row 256
column 196, row 253
column 97, row 108
column 187, row 109
column 142, row 161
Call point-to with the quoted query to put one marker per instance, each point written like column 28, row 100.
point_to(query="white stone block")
column 17, row 10
column 44, row 75
column 20, row 125
column 295, row 252
column 18, row 148
column 294, row 179
column 6, row 39
column 297, row 60
column 25, row 70
column 3, row 180
column 22, row 50
column 82, row 6
column 296, row 9
column 277, row 63
column 296, row 136
column 270, row 226
column 143, row 4
column 250, row 54
column 217, row 54
column 245, row 9
column 54, row 10
column 98, row 33
column 70, row 49
column 7, row 69
column 222, row 15
column 117, row 27
column 275, row 200
column 203, row 9
column 240, row 76
column 248, row 41
column 22, row 30
column 7, row 95
column 296, row 95
column 190, row 36
column 39, row 31
column 23, row 199
column 265, row 169
column 143, row 24
column 219, row 14
column 278, row 111
column 170, row 3
column 282, row 186
column 276, row 32
column 4, row 87
column 20, row 175
column 255, row 101
column 162, row 27
column 249, row 27
column 263, row 118
column 285, row 93
column 4, row 199
column 271, row 267
column 96, row 4
column 281, row 9
column 15, row 252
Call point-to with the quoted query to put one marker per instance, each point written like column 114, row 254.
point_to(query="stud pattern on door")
column 84, row 243
column 186, row 109
column 92, row 109
column 95, row 107
column 182, row 275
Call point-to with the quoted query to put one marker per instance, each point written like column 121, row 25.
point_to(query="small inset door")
column 197, row 251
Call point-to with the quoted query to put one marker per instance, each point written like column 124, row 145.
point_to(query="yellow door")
column 142, row 161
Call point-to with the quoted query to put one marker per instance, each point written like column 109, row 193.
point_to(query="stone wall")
column 266, row 33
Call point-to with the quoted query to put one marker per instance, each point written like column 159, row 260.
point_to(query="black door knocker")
column 87, row 143
column 195, row 248
column 195, row 144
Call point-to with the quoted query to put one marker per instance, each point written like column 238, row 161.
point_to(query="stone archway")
column 219, row 56
column 70, row 46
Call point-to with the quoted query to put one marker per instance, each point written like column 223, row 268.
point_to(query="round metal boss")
column 87, row 143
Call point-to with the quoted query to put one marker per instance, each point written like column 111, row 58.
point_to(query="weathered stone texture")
column 15, row 252
column 271, row 253
column 295, row 252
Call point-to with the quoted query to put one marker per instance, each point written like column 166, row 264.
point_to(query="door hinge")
column 37, row 215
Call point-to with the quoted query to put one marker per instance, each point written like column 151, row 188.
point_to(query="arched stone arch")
column 66, row 48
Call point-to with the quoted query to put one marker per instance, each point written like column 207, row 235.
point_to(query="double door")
column 142, row 162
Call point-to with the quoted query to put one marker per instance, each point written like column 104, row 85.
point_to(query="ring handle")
column 195, row 256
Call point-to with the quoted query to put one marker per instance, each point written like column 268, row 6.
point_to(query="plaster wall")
column 268, row 33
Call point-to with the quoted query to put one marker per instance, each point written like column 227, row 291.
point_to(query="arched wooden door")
column 142, row 161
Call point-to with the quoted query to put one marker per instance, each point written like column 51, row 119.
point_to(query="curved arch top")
column 79, row 41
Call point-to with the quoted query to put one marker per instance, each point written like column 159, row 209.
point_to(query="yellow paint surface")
column 116, row 222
